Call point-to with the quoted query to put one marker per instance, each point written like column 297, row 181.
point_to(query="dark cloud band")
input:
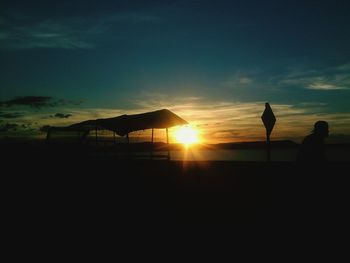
column 36, row 102
column 10, row 115
column 62, row 115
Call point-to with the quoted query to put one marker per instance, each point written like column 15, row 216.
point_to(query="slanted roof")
column 124, row 124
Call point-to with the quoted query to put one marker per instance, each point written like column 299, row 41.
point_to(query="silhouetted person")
column 312, row 148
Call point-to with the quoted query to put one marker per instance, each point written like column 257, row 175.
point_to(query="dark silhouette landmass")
column 65, row 186
column 20, row 143
column 257, row 144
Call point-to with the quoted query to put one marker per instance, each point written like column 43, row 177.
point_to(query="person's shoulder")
column 308, row 138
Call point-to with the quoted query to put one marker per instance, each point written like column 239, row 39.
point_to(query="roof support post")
column 152, row 139
column 96, row 134
column 167, row 142
column 128, row 147
column 48, row 135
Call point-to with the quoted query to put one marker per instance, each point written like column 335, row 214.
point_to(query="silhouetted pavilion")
column 125, row 124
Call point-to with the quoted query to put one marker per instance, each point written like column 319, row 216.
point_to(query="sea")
column 255, row 155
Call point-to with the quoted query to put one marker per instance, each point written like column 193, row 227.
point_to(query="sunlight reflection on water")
column 232, row 155
column 250, row 155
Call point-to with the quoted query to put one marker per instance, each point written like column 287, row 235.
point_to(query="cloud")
column 324, row 86
column 343, row 67
column 8, row 127
column 64, row 33
column 62, row 116
column 31, row 101
column 326, row 79
column 11, row 115
column 239, row 79
column 36, row 102
column 18, row 128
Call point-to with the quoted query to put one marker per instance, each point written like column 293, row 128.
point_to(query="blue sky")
column 207, row 60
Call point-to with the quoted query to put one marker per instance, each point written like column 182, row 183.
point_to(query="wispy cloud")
column 47, row 34
column 324, row 86
column 63, row 33
column 239, row 79
column 327, row 79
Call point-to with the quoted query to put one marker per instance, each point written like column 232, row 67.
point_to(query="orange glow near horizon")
column 186, row 135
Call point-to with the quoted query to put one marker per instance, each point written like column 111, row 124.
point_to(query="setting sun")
column 186, row 135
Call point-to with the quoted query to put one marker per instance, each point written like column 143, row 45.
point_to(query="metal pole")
column 128, row 147
column 152, row 144
column 48, row 135
column 268, row 147
column 96, row 135
column 167, row 141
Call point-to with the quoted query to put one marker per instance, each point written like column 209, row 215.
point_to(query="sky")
column 214, row 63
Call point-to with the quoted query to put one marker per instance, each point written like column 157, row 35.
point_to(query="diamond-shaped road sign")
column 268, row 119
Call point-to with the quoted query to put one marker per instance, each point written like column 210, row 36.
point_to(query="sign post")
column 269, row 121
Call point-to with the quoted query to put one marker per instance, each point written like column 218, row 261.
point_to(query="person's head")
column 321, row 128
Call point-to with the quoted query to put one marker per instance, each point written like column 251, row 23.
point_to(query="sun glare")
column 186, row 135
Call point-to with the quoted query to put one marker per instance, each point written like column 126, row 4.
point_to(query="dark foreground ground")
column 70, row 187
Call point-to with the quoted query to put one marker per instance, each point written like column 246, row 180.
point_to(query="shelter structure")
column 125, row 124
